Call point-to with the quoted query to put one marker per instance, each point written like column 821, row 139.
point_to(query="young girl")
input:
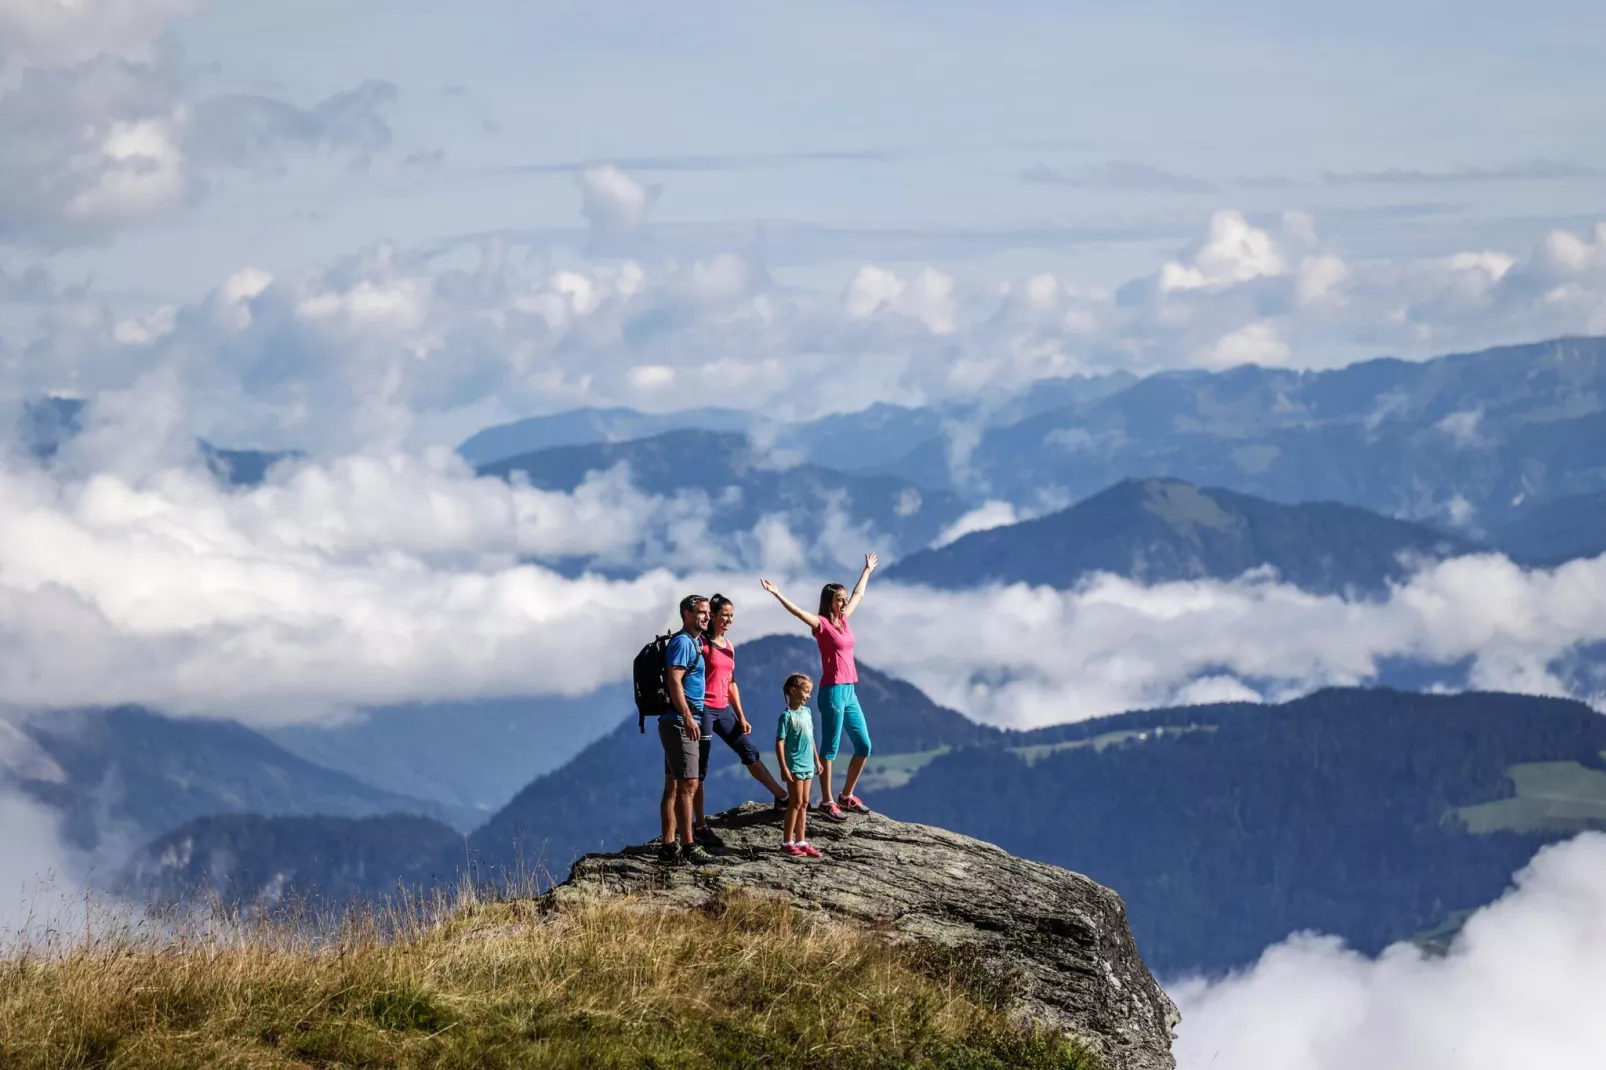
column 799, row 761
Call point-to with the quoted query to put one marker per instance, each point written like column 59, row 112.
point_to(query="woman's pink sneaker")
column 852, row 803
column 831, row 811
column 811, row 850
column 794, row 850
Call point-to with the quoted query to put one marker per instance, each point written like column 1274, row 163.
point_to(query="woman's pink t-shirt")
column 836, row 653
column 721, row 667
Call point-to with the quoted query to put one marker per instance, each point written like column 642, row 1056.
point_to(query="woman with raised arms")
column 838, row 700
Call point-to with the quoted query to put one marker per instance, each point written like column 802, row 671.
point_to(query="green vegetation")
column 1036, row 752
column 881, row 772
column 506, row 984
column 1551, row 797
column 884, row 772
column 1334, row 813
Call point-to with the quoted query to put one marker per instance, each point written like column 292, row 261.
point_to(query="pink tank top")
column 721, row 667
column 836, row 653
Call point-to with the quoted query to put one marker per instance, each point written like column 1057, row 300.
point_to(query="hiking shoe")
column 780, row 805
column 852, row 803
column 831, row 812
column 695, row 853
column 811, row 850
column 669, row 852
column 707, row 836
column 794, row 850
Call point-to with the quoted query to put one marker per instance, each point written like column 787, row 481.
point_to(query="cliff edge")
column 1060, row 938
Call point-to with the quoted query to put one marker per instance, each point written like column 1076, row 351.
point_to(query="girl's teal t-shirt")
column 795, row 733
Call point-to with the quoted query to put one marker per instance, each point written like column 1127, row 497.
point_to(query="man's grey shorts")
column 680, row 750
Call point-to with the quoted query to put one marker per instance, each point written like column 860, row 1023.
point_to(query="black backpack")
column 650, row 674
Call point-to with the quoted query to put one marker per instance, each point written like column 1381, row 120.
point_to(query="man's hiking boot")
column 694, row 853
column 707, row 836
column 669, row 852
column 780, row 804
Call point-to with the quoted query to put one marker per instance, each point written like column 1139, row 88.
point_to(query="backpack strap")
column 688, row 668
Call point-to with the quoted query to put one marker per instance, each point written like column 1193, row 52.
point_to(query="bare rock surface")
column 1063, row 937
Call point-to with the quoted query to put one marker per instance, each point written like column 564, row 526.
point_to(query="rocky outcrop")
column 1062, row 937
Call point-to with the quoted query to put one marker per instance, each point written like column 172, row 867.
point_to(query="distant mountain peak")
column 1159, row 529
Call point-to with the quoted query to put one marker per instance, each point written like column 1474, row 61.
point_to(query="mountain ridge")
column 807, row 496
column 164, row 772
column 1159, row 529
column 1473, row 435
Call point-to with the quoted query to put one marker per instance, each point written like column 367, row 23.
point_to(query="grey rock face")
column 1064, row 937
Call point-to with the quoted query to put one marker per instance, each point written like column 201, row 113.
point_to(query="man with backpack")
column 679, row 729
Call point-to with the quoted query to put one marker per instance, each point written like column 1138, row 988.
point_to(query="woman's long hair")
column 715, row 604
column 827, row 596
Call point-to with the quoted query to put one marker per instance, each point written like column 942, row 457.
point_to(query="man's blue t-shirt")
column 686, row 650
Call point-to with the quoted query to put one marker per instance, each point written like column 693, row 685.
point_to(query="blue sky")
column 939, row 107
column 497, row 209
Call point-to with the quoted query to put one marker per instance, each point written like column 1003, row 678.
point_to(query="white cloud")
column 138, row 172
column 384, row 576
column 128, row 573
column 1255, row 343
column 59, row 33
column 1519, row 987
column 1564, row 254
column 99, row 127
column 926, row 296
column 1049, row 656
column 39, row 874
column 1321, row 278
column 613, row 202
column 143, row 330
column 89, row 148
column 1231, row 253
column 1459, row 511
column 1462, row 428
column 988, row 515
column 361, row 585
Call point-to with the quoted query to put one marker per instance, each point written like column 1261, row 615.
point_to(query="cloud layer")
column 394, row 345
column 128, row 573
column 1519, row 987
column 1024, row 657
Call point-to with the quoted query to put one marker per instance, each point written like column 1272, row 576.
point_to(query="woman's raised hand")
column 870, row 562
column 770, row 587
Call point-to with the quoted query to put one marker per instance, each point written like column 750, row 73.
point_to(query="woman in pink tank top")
column 838, row 695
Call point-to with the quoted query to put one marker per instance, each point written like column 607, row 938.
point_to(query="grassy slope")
column 1550, row 797
column 497, row 985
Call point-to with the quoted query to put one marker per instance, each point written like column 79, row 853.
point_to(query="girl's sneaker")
column 794, row 850
column 811, row 850
column 831, row 811
column 852, row 803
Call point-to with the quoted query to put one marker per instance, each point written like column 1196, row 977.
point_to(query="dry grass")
column 495, row 984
